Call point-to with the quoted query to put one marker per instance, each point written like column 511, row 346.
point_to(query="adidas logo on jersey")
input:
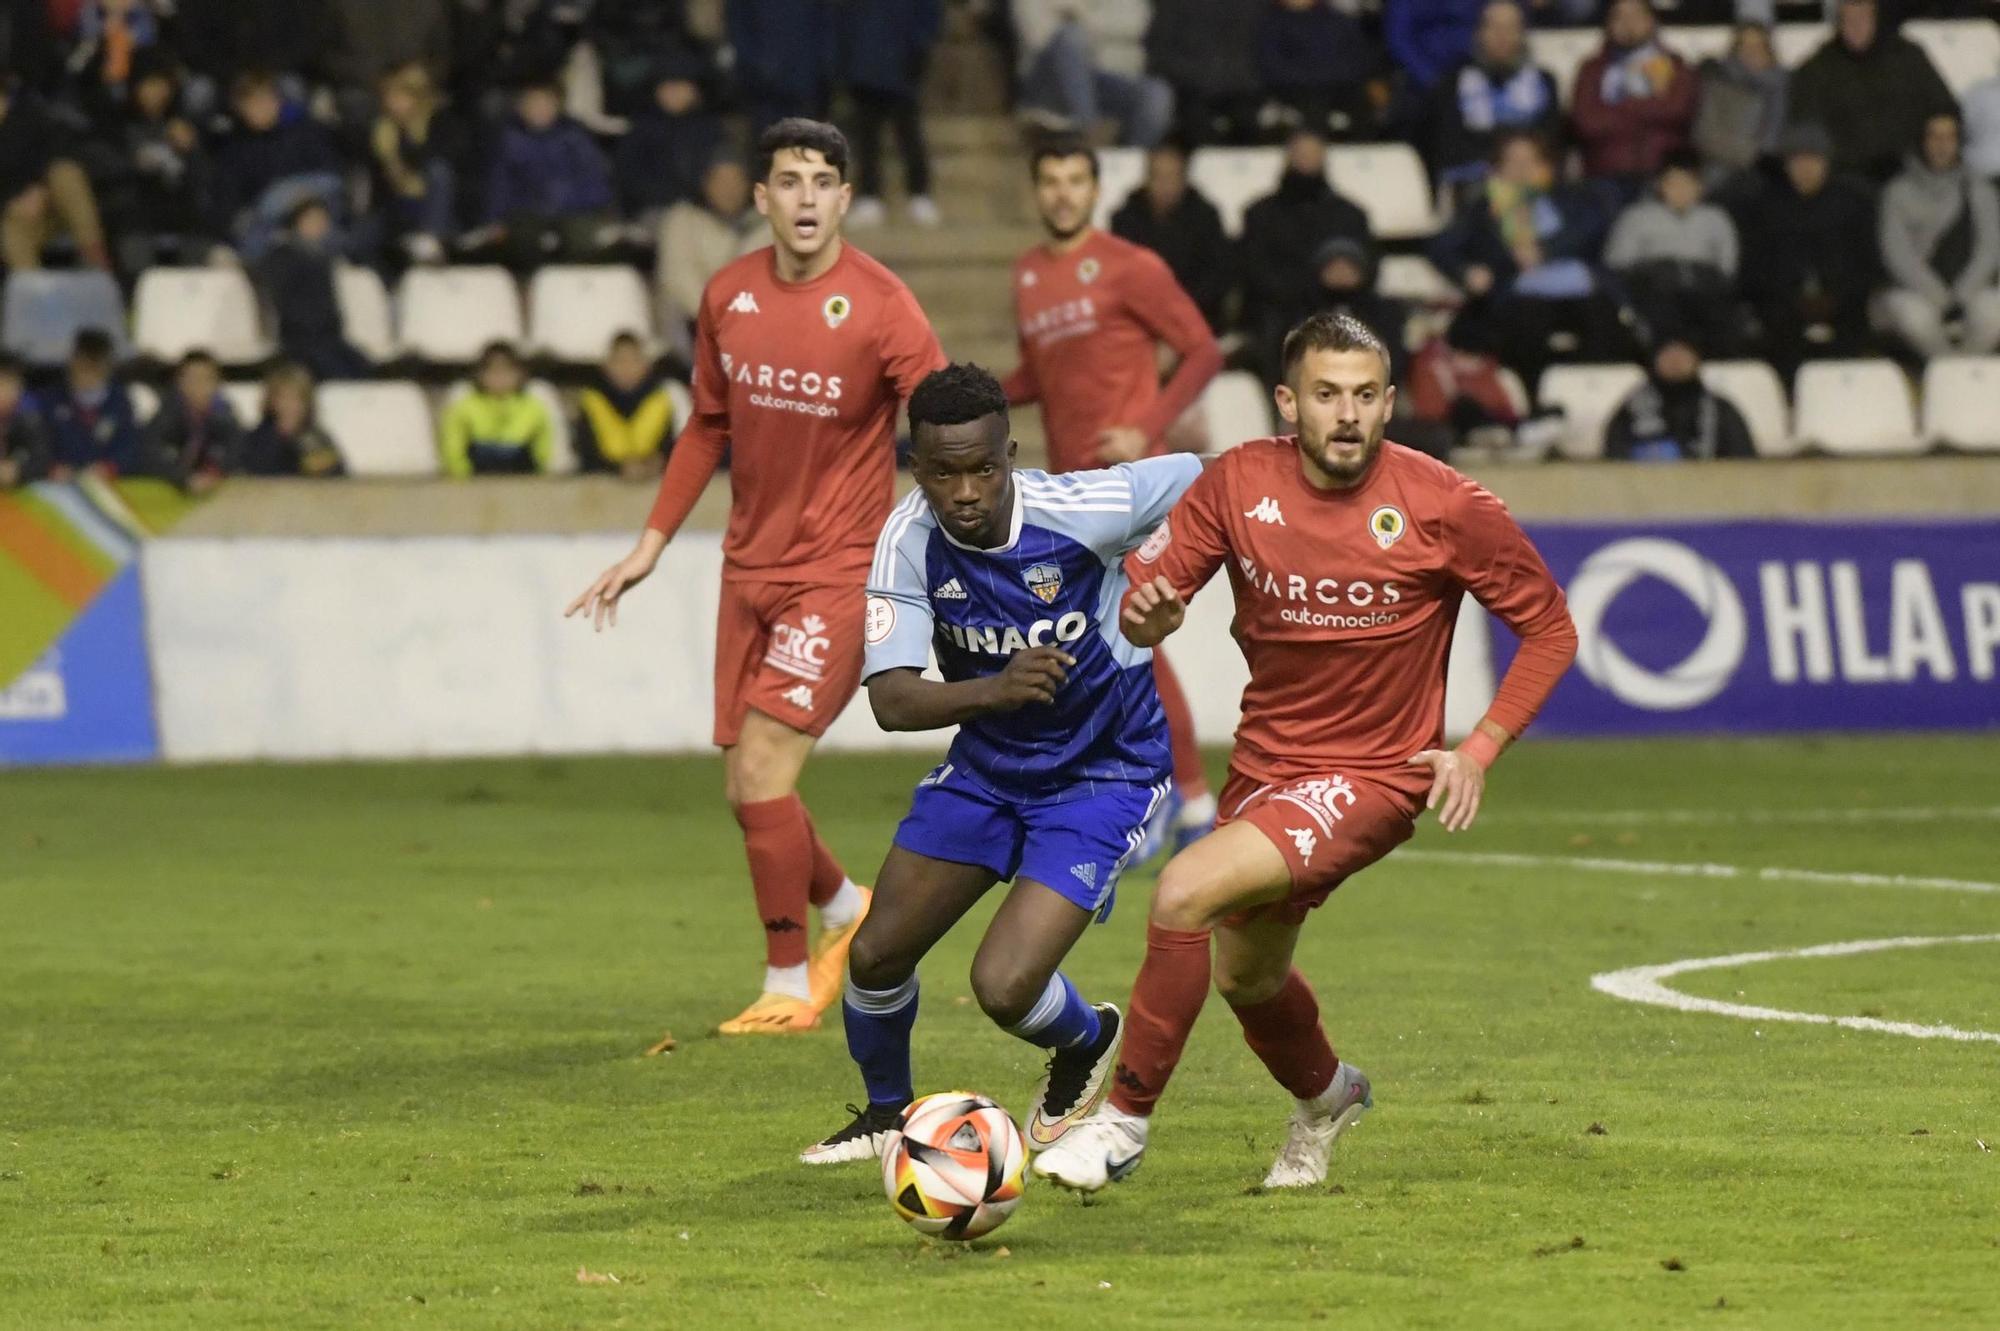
column 1265, row 511
column 1085, row 874
column 951, row 591
column 745, row 303
column 800, row 696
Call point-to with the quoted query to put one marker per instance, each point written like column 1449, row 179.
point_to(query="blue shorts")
column 1077, row 847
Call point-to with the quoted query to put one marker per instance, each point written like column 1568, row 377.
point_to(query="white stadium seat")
column 1794, row 43
column 381, row 428
column 1962, row 402
column 1235, row 178
column 1588, row 396
column 1561, row 50
column 574, row 310
column 683, row 399
column 448, row 314
column 1698, row 43
column 47, row 308
column 1388, row 181
column 176, row 310
column 1757, row 392
column 1238, row 407
column 1855, row 406
column 562, row 449
column 1414, row 278
column 1517, row 392
column 246, row 400
column 1964, row 50
column 145, row 400
column 364, row 311
column 1119, row 172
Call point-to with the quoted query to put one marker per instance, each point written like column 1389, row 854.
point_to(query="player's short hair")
column 496, row 350
column 958, row 393
column 92, row 344
column 1328, row 331
column 625, row 337
column 198, row 356
column 801, row 134
column 1060, row 148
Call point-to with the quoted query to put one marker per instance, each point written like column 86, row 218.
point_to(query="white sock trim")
column 1046, row 1009
column 882, row 1002
column 842, row 908
column 791, row 981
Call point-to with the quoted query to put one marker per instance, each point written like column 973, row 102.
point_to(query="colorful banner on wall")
column 1767, row 626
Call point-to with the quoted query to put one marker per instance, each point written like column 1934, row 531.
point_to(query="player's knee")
column 875, row 962
column 1181, row 899
column 1005, row 992
column 1249, row 986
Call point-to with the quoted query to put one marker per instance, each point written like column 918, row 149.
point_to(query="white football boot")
column 1316, row 1125
column 1102, row 1149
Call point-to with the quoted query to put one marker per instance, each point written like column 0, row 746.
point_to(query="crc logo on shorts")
column 836, row 310
column 1325, row 800
column 1386, row 525
column 800, row 650
column 1156, row 544
column 881, row 621
column 1703, row 672
column 1045, row 581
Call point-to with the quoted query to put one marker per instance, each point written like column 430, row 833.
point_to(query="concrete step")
column 902, row 246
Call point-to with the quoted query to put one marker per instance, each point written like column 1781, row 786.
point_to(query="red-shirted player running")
column 1347, row 556
column 803, row 352
column 1091, row 310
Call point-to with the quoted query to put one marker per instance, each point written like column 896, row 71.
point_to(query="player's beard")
column 1327, row 454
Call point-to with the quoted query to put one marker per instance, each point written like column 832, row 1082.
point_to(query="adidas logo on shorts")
column 745, row 303
column 951, row 591
column 1085, row 874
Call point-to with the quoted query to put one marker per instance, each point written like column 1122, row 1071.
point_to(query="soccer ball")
column 954, row 1165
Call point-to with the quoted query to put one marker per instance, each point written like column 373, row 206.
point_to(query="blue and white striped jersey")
column 1057, row 580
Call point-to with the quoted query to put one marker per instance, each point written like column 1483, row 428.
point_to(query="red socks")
column 1189, row 775
column 1166, row 999
column 1284, row 1032
column 827, row 875
column 778, row 838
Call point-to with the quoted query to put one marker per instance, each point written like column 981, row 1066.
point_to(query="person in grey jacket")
column 1740, row 104
column 1940, row 235
column 1676, row 255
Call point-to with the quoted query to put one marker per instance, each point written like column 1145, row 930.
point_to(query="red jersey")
column 801, row 381
column 1346, row 601
column 1089, row 323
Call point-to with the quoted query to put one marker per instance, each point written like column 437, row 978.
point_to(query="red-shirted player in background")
column 1091, row 311
column 1347, row 556
column 803, row 353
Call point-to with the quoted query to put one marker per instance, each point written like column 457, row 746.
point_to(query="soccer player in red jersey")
column 1091, row 310
column 1348, row 556
column 803, row 353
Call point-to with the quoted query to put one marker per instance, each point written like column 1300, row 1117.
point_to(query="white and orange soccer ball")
column 955, row 1165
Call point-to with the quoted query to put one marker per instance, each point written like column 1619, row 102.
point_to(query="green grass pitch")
column 358, row 1046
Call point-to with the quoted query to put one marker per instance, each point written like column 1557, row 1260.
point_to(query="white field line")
column 1642, row 984
column 1694, row 869
column 1751, row 817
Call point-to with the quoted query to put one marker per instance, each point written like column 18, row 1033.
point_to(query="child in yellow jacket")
column 499, row 426
column 625, row 423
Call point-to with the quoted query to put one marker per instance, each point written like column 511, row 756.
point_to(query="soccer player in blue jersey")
column 1014, row 578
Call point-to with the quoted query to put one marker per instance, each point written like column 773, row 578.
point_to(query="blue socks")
column 1060, row 1018
column 878, row 1025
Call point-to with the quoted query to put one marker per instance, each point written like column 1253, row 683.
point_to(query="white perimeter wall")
column 444, row 646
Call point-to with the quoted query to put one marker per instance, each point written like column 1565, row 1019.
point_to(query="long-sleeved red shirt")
column 1089, row 324
column 1346, row 601
column 801, row 381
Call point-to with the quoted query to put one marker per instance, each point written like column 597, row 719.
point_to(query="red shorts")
column 789, row 650
column 1327, row 828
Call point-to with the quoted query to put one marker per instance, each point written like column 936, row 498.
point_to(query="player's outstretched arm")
column 1458, row 776
column 1152, row 611
column 903, row 699
column 599, row 601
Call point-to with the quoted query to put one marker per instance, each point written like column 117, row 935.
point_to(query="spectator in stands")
column 1674, row 417
column 784, row 58
column 418, row 151
column 498, row 426
column 92, row 425
column 1066, row 82
column 1739, row 104
column 1207, row 53
column 297, row 279
column 884, row 46
column 1525, row 255
column 625, row 421
column 1173, row 219
column 1981, row 110
column 1941, row 248
column 152, row 172
column 1428, row 39
column 698, row 238
column 1283, row 231
column 670, row 143
column 41, row 186
column 1677, row 256
column 1495, row 88
column 548, row 193
column 273, row 162
column 1809, row 255
column 1320, row 68
column 1871, row 90
column 1345, row 272
column 288, row 441
column 195, row 433
column 110, row 35
column 1634, row 99
column 24, row 436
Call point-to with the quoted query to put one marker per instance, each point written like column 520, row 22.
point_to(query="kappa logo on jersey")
column 1085, row 874
column 1087, row 271
column 800, row 696
column 1005, row 640
column 1156, row 544
column 881, row 620
column 1386, row 525
column 745, row 303
column 1304, row 841
column 1325, row 800
column 951, row 591
column 1045, row 581
column 836, row 310
column 800, row 651
column 1266, row 511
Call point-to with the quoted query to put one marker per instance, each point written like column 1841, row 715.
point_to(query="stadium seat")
column 448, row 314
column 176, row 310
column 45, row 310
column 1414, row 278
column 145, row 400
column 246, row 399
column 683, row 399
column 1234, row 178
column 1855, row 406
column 1696, row 43
column 1794, row 43
column 1517, row 392
column 562, row 449
column 364, row 312
column 1588, row 396
column 1238, row 407
column 1119, row 172
column 1962, row 402
column 1755, row 389
column 381, row 428
column 1964, row 50
column 1561, row 51
column 1388, row 180
column 575, row 310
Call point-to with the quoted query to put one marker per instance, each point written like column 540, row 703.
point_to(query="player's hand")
column 599, row 602
column 1153, row 611
column 1457, row 782
column 1121, row 443
column 1033, row 675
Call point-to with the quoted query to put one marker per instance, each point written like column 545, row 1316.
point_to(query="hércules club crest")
column 1045, row 581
